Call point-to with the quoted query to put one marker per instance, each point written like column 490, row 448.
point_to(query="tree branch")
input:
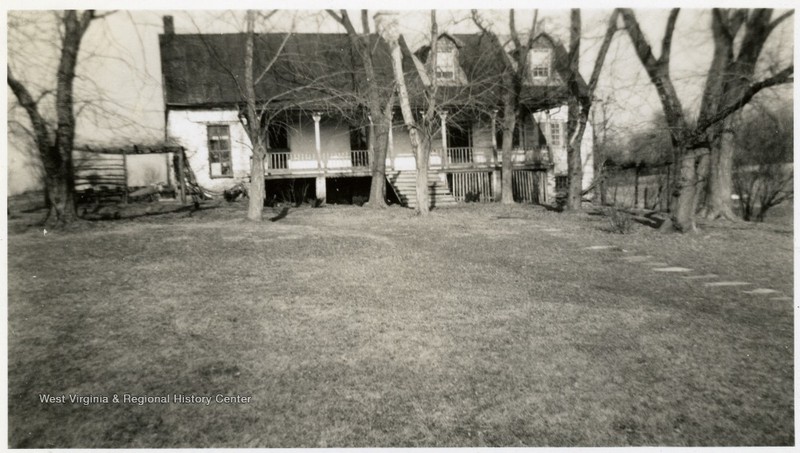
column 780, row 19
column 274, row 57
column 335, row 16
column 784, row 76
column 666, row 43
column 365, row 22
column 601, row 56
column 41, row 134
column 513, row 29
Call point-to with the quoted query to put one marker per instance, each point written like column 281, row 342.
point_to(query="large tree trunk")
column 255, row 207
column 253, row 127
column 575, row 130
column 59, row 196
column 61, row 188
column 507, row 182
column 686, row 184
column 377, row 190
column 423, row 158
column 720, row 179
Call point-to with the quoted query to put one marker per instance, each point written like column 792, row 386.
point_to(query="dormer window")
column 540, row 60
column 445, row 65
column 446, row 60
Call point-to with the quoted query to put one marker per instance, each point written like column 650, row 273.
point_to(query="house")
column 319, row 133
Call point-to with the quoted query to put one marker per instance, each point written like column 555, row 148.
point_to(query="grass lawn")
column 349, row 328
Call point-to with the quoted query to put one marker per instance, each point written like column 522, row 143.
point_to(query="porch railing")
column 359, row 158
column 279, row 160
column 478, row 156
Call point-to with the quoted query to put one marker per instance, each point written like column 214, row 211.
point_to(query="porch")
column 284, row 163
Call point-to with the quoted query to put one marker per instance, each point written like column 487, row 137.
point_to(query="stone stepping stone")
column 636, row 258
column 605, row 247
column 761, row 291
column 781, row 298
column 656, row 264
column 726, row 284
column 698, row 277
column 552, row 230
column 672, row 269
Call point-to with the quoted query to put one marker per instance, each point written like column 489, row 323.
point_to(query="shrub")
column 359, row 200
column 621, row 222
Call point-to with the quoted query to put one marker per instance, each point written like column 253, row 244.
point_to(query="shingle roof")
column 312, row 69
column 315, row 70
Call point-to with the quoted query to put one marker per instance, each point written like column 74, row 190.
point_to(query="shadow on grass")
column 118, row 215
column 284, row 212
column 652, row 219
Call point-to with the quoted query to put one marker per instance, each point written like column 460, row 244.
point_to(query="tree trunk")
column 59, row 197
column 701, row 174
column 575, row 171
column 377, row 190
column 684, row 207
column 61, row 186
column 423, row 197
column 507, row 182
column 720, row 179
column 255, row 207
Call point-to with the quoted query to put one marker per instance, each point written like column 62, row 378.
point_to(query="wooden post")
column 124, row 176
column 317, row 142
column 494, row 136
column 669, row 187
column 169, row 177
column 636, row 188
column 181, row 176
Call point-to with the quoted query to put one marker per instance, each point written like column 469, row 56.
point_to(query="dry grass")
column 353, row 328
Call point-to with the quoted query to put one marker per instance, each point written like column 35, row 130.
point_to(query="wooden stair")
column 405, row 185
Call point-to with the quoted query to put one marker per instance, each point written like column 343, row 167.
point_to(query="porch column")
column 317, row 117
column 496, row 185
column 494, row 135
column 321, row 192
column 390, row 149
column 443, row 115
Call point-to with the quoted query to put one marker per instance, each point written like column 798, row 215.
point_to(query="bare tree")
column 763, row 175
column 514, row 75
column 419, row 127
column 379, row 101
column 580, row 102
column 55, row 141
column 691, row 142
column 427, row 103
column 730, row 74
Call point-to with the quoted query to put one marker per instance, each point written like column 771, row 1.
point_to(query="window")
column 446, row 64
column 562, row 183
column 540, row 63
column 219, row 151
column 556, row 131
column 359, row 139
column 277, row 136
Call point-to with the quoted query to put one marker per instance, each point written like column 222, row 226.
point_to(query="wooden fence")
column 103, row 173
column 638, row 186
column 528, row 186
column 471, row 186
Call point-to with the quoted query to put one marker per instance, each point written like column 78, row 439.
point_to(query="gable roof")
column 320, row 71
column 312, row 70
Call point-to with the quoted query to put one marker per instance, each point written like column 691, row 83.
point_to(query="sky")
column 119, row 98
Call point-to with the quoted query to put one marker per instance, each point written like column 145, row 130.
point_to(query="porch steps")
column 405, row 183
